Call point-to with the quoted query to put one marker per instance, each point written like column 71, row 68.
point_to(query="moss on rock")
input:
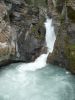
column 71, row 13
column 70, row 53
column 37, row 2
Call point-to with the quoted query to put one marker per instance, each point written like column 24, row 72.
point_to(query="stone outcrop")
column 22, row 31
column 63, row 14
column 6, row 48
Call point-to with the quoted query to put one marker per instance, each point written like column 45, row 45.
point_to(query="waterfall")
column 40, row 62
column 50, row 35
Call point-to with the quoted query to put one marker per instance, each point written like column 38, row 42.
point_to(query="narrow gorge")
column 37, row 49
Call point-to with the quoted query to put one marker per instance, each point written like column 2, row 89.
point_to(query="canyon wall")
column 63, row 14
column 22, row 31
column 23, row 36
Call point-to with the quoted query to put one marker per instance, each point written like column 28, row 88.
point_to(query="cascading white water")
column 41, row 60
column 50, row 35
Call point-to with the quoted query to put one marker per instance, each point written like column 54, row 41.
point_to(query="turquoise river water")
column 48, row 83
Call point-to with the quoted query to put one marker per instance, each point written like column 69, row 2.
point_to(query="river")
column 48, row 83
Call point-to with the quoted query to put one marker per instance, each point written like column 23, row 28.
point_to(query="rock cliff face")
column 63, row 14
column 22, row 31
column 6, row 47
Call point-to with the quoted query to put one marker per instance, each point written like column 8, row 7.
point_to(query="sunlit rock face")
column 5, row 34
column 64, row 50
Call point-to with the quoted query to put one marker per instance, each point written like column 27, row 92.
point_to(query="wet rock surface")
column 63, row 20
column 26, row 36
column 6, row 47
